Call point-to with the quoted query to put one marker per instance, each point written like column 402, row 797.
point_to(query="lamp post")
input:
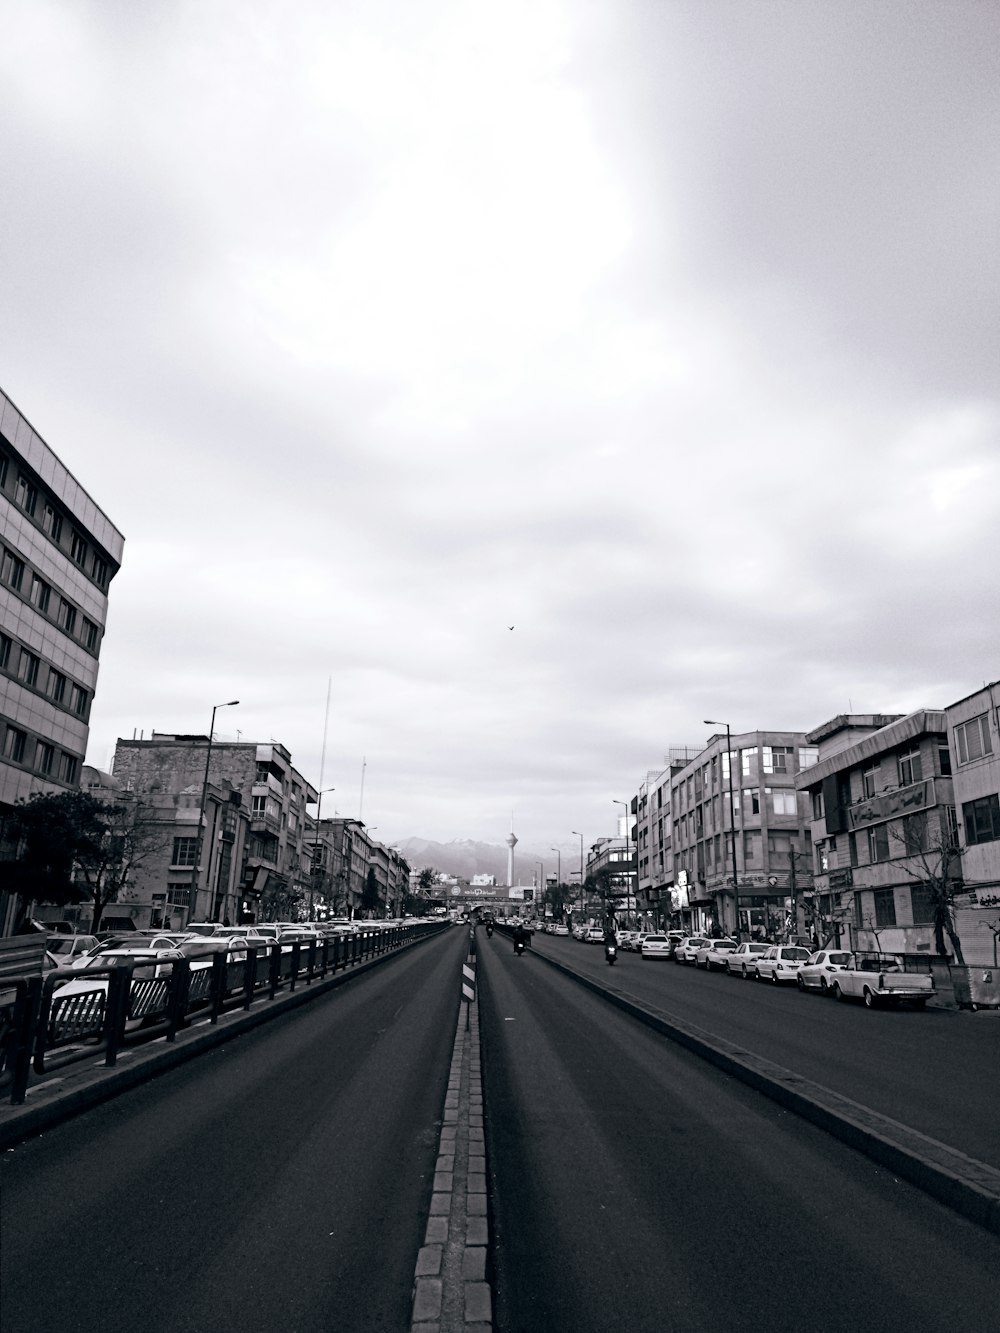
column 580, row 836
column 628, row 851
column 318, row 849
column 558, row 872
column 732, row 821
column 201, row 817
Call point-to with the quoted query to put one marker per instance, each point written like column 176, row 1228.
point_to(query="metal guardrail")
column 42, row 1028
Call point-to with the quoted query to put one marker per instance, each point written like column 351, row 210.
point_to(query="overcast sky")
column 665, row 331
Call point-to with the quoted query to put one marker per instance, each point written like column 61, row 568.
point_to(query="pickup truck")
column 882, row 982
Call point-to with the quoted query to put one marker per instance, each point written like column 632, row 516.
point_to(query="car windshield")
column 656, row 939
column 725, row 944
column 841, row 959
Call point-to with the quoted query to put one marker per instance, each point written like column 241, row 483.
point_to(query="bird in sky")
column 510, row 626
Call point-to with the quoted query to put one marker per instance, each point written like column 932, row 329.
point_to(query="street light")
column 558, row 872
column 732, row 820
column 628, row 853
column 201, row 818
column 580, row 836
column 318, row 848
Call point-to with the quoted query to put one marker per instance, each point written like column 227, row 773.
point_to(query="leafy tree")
column 370, row 901
column 555, row 897
column 427, row 879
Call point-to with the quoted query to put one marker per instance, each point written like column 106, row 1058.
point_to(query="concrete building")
column 770, row 820
column 882, row 806
column 58, row 555
column 974, row 745
column 275, row 875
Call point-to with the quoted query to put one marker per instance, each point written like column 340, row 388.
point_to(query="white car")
column 816, row 973
column 781, row 963
column 595, row 935
column 742, row 961
column 688, row 947
column 560, row 929
column 655, row 946
column 715, row 955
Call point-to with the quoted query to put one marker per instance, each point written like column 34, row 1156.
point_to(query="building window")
column 99, row 570
column 909, row 768
column 818, row 807
column 921, row 905
column 869, row 782
column 982, row 819
column 27, row 670
column 783, row 802
column 973, row 739
column 259, row 806
column 179, row 895
column 751, row 849
column 822, row 858
column 3, row 470
column 852, row 848
column 14, row 744
column 79, row 701
column 6, row 644
column 57, row 685
column 78, row 550
column 944, row 761
column 91, row 634
column 69, row 767
column 885, row 908
column 185, row 852
column 40, row 593
column 775, row 758
column 878, row 843
column 45, row 757
column 66, row 619
column 25, row 494
column 748, row 759
column 52, row 522
column 915, row 833
column 859, row 920
column 751, row 796
column 808, row 756
column 12, row 570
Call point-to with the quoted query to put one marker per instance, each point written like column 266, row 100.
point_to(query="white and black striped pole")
column 468, row 987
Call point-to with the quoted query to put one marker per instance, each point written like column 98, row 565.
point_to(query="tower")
column 511, row 841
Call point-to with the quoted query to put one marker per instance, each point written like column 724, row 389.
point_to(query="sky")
column 664, row 332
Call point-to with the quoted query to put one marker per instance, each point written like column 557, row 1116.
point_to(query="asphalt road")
column 637, row 1188
column 936, row 1070
column 280, row 1182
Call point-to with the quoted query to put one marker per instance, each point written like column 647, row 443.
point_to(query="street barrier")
column 50, row 1021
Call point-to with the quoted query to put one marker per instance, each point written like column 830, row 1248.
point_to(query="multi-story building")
column 769, row 820
column 58, row 555
column 882, row 815
column 658, row 894
column 275, row 875
column 974, row 745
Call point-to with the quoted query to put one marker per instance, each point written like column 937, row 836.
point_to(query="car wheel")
column 743, row 972
column 836, row 992
column 870, row 1000
column 729, row 970
column 800, row 983
column 774, row 978
column 756, row 974
column 823, row 986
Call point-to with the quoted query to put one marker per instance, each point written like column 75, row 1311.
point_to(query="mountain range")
column 465, row 858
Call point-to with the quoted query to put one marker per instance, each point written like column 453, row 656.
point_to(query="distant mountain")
column 465, row 858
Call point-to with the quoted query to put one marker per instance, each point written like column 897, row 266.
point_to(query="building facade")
column 58, row 555
column 974, row 745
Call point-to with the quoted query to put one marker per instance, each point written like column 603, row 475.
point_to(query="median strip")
column 967, row 1186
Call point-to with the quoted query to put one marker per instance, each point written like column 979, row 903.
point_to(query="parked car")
column 781, row 963
column 685, row 951
column 714, row 955
column 560, row 929
column 137, row 947
column 595, row 935
column 655, row 946
column 821, row 966
column 675, row 937
column 742, row 961
column 882, row 981
column 63, row 949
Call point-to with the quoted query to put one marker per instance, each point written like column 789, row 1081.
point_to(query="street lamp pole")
column 558, row 869
column 580, row 836
column 732, row 821
column 628, row 852
column 318, row 846
column 201, row 816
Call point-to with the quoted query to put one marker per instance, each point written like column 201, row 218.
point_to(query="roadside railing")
column 47, row 1022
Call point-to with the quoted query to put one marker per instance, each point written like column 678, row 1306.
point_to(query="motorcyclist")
column 520, row 937
column 489, row 927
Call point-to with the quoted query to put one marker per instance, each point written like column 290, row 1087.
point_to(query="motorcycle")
column 489, row 930
column 611, row 953
column 519, row 946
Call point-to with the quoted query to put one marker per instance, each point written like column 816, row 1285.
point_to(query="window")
column 41, row 592
column 12, row 570
column 91, row 634
column 751, row 849
column 25, row 494
column 179, row 895
column 944, row 761
column 6, row 644
column 852, row 848
column 259, row 806
column 982, row 819
column 27, row 670
column 775, row 758
column 185, row 852
column 748, row 759
column 14, row 744
column 66, row 619
column 783, row 802
column 52, row 522
column 822, row 858
column 818, row 807
column 808, row 756
column 79, row 701
column 45, row 757
column 99, row 569
column 78, row 550
column 885, row 908
column 752, row 798
column 909, row 768
column 69, row 767
column 973, row 739
column 859, row 921
column 869, row 782
column 57, row 685
column 3, row 470
column 922, row 905
column 878, row 843
column 915, row 833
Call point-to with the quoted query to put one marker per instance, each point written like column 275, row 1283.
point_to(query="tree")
column 937, row 865
column 75, row 847
column 370, row 901
column 427, row 879
column 555, row 897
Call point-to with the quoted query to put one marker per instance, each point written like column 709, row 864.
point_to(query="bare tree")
column 936, row 863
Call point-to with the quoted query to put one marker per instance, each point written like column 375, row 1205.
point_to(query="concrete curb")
column 451, row 1293
column 51, row 1100
column 967, row 1186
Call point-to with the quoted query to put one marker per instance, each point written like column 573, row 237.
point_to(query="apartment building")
column 974, row 744
column 58, row 555
column 275, row 871
column 881, row 807
column 769, row 819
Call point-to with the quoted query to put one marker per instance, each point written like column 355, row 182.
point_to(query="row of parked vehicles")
column 875, row 981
